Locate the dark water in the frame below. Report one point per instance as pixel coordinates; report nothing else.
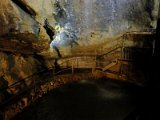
(86, 100)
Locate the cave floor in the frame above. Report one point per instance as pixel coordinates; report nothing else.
(86, 100)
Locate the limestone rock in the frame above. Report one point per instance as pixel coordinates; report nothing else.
(17, 67)
(104, 18)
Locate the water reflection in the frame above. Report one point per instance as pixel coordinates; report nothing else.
(86, 100)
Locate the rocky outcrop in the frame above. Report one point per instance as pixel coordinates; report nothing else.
(15, 67)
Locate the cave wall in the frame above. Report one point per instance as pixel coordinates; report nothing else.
(14, 19)
(107, 18)
(16, 67)
(94, 20)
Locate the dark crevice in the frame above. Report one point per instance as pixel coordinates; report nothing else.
(25, 7)
(50, 31)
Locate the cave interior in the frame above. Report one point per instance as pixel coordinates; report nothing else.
(79, 59)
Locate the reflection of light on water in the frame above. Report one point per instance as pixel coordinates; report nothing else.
(104, 92)
(109, 94)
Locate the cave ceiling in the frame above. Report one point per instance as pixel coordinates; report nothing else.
(75, 23)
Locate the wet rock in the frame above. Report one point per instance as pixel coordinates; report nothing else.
(103, 18)
(15, 68)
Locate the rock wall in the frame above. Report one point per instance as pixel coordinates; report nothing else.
(15, 67)
(107, 18)
(94, 20)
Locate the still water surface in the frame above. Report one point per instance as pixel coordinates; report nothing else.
(86, 100)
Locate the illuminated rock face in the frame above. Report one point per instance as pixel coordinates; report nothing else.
(111, 17)
(16, 67)
(93, 19)
(8, 19)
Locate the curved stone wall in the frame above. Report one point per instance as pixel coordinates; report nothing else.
(94, 20)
